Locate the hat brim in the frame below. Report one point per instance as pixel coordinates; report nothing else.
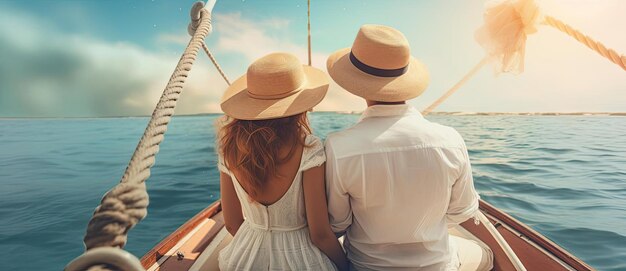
(238, 104)
(384, 89)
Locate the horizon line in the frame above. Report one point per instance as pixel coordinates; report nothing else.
(348, 112)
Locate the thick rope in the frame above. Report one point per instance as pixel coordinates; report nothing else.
(308, 15)
(126, 204)
(102, 267)
(608, 53)
(458, 85)
(217, 65)
(120, 209)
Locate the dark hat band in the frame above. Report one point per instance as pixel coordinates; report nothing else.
(376, 71)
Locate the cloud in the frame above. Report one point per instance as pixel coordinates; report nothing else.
(167, 38)
(45, 72)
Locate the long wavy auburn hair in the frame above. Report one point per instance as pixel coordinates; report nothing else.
(251, 147)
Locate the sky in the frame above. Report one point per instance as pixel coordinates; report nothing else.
(113, 58)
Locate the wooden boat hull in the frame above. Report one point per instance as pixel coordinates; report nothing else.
(196, 244)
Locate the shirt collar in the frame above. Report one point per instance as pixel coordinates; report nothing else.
(389, 110)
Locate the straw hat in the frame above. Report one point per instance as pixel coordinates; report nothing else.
(379, 66)
(275, 86)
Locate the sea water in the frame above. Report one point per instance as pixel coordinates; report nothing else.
(565, 176)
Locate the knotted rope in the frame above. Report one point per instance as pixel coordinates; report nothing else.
(120, 209)
(191, 29)
(126, 204)
(608, 53)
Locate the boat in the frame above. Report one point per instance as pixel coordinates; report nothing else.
(196, 244)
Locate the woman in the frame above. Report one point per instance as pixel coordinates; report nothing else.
(272, 171)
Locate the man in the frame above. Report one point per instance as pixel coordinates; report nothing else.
(396, 181)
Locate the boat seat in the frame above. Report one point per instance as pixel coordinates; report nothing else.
(208, 259)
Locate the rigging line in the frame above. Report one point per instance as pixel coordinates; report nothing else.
(608, 53)
(454, 88)
(217, 65)
(308, 14)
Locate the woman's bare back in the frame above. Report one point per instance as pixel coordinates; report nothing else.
(277, 186)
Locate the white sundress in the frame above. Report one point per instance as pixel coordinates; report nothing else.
(276, 237)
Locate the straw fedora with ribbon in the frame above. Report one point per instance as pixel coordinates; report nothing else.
(379, 66)
(275, 86)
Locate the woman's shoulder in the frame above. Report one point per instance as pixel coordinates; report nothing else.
(314, 154)
(312, 139)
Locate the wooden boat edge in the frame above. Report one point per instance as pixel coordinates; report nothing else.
(524, 231)
(157, 252)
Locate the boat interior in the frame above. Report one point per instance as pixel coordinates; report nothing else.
(196, 244)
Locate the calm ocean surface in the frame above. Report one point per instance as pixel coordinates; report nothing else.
(565, 176)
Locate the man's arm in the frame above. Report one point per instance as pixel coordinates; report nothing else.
(463, 199)
(339, 210)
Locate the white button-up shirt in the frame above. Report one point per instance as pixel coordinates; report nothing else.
(394, 182)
